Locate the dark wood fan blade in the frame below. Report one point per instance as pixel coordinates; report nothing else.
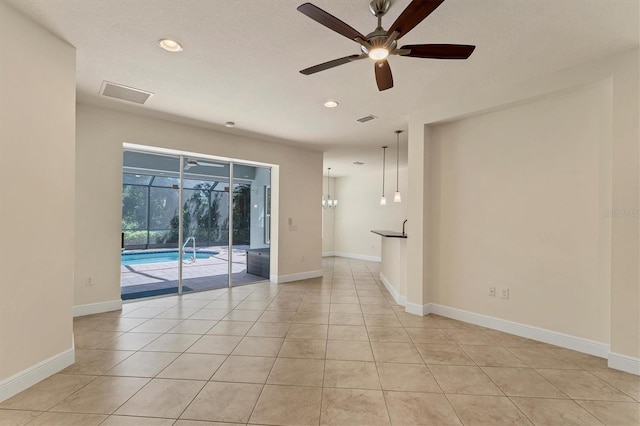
(331, 64)
(383, 75)
(329, 21)
(413, 15)
(439, 51)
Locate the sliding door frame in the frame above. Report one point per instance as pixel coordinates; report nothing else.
(230, 250)
(182, 155)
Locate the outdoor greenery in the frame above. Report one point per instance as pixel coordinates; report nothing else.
(150, 215)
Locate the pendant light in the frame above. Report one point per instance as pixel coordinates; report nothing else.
(328, 202)
(383, 200)
(396, 197)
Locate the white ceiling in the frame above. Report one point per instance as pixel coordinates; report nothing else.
(241, 60)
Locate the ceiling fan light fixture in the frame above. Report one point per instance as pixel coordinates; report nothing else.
(329, 202)
(379, 53)
(381, 43)
(331, 104)
(170, 45)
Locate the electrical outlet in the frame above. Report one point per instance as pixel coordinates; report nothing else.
(492, 291)
(504, 293)
(88, 281)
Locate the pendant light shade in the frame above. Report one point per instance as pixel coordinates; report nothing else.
(396, 196)
(383, 200)
(329, 202)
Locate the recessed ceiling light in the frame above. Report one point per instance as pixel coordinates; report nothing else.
(170, 45)
(230, 124)
(331, 104)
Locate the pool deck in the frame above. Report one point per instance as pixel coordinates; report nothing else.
(203, 274)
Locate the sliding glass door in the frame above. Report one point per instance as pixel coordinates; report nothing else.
(251, 224)
(150, 231)
(192, 223)
(205, 239)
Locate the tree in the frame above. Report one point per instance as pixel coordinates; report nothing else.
(242, 214)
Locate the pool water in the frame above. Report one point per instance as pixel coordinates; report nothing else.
(160, 256)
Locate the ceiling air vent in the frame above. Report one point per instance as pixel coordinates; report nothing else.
(125, 93)
(367, 118)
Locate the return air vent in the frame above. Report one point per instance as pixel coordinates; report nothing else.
(124, 93)
(367, 118)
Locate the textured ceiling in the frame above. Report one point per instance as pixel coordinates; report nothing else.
(241, 60)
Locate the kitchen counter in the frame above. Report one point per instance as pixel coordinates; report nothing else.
(390, 234)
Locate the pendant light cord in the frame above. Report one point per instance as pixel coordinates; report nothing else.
(384, 158)
(398, 160)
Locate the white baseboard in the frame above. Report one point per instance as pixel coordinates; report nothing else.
(18, 382)
(279, 279)
(400, 299)
(328, 253)
(358, 256)
(530, 332)
(97, 308)
(616, 361)
(415, 309)
(624, 363)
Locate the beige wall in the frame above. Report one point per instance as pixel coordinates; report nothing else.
(359, 211)
(595, 178)
(37, 108)
(100, 135)
(518, 206)
(625, 244)
(394, 266)
(418, 213)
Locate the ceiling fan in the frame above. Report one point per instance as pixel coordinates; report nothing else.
(381, 43)
(192, 162)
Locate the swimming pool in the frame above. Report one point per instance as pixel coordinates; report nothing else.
(161, 256)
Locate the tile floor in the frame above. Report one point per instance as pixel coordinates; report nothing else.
(335, 350)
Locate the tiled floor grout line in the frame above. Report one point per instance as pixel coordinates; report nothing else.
(150, 379)
(430, 372)
(454, 409)
(309, 299)
(375, 364)
(181, 353)
(264, 385)
(324, 364)
(218, 368)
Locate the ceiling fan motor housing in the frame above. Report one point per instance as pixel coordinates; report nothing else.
(376, 40)
(379, 7)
